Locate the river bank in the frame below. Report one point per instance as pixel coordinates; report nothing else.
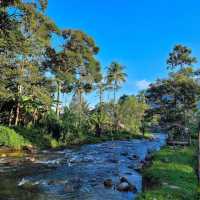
(20, 141)
(78, 173)
(172, 175)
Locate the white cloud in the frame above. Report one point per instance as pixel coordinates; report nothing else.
(142, 84)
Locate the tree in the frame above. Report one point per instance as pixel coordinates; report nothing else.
(131, 113)
(115, 77)
(87, 69)
(173, 99)
(180, 57)
(25, 35)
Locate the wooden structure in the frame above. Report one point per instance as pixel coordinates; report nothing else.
(178, 135)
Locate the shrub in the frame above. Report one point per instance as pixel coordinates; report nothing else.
(9, 138)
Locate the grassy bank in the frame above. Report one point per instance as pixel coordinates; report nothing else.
(18, 137)
(172, 175)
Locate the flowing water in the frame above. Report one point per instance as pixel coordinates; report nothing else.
(78, 173)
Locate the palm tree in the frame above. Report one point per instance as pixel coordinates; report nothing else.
(115, 77)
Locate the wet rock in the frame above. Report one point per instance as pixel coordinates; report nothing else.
(152, 138)
(124, 153)
(93, 180)
(30, 159)
(138, 167)
(72, 185)
(113, 161)
(125, 186)
(123, 179)
(76, 183)
(56, 182)
(30, 149)
(68, 188)
(108, 183)
(12, 162)
(134, 157)
(28, 185)
(131, 166)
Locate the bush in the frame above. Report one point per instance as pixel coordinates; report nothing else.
(52, 125)
(37, 136)
(9, 138)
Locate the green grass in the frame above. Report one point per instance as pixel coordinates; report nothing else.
(20, 136)
(10, 138)
(115, 135)
(172, 175)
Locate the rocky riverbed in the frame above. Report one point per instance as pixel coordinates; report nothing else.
(109, 170)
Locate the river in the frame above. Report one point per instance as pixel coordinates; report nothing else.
(77, 173)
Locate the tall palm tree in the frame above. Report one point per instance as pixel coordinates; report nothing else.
(115, 77)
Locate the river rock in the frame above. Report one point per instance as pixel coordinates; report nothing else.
(138, 167)
(76, 182)
(148, 158)
(30, 149)
(113, 160)
(56, 182)
(124, 153)
(30, 159)
(68, 187)
(108, 183)
(29, 185)
(125, 186)
(72, 185)
(134, 157)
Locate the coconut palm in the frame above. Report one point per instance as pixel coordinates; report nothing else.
(115, 77)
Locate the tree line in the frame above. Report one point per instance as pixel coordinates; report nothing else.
(34, 76)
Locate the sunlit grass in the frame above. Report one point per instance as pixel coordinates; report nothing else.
(174, 172)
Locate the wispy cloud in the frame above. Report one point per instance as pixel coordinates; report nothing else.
(142, 84)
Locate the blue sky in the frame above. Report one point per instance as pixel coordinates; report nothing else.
(137, 33)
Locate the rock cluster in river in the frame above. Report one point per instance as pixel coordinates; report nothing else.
(122, 186)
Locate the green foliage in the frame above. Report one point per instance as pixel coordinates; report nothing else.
(174, 100)
(131, 113)
(173, 174)
(9, 138)
(38, 137)
(180, 56)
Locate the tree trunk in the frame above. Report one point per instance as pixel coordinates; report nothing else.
(99, 128)
(17, 114)
(11, 117)
(21, 73)
(114, 106)
(18, 105)
(34, 116)
(80, 106)
(58, 100)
